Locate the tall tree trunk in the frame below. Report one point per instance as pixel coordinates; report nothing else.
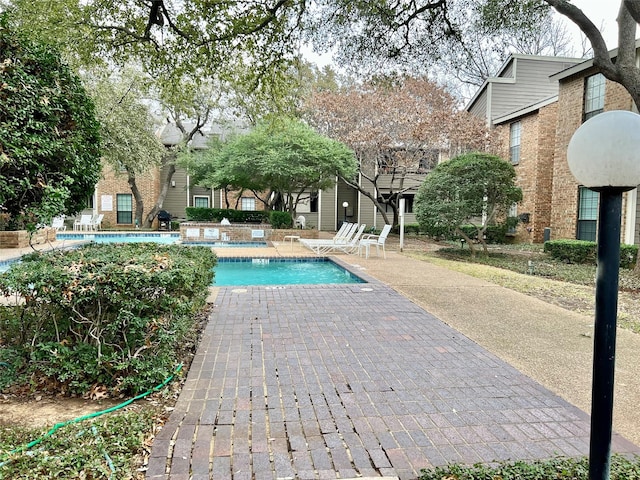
(131, 179)
(165, 181)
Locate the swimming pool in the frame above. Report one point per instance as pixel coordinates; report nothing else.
(162, 238)
(280, 271)
(121, 237)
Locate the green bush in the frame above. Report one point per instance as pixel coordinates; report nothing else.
(558, 468)
(110, 314)
(585, 252)
(280, 219)
(198, 214)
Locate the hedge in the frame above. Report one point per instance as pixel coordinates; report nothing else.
(108, 315)
(198, 214)
(582, 251)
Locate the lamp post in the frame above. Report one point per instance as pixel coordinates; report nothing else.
(604, 155)
(345, 205)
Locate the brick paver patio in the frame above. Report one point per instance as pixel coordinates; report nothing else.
(325, 382)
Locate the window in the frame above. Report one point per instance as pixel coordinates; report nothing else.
(124, 206)
(200, 201)
(587, 214)
(514, 142)
(593, 95)
(408, 202)
(308, 203)
(248, 203)
(512, 213)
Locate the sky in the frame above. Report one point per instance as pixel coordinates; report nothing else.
(603, 14)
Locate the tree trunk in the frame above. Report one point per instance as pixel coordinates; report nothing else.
(170, 165)
(467, 240)
(131, 179)
(369, 195)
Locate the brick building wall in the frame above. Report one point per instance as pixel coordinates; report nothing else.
(114, 182)
(564, 205)
(534, 172)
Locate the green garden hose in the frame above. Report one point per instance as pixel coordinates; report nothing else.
(4, 459)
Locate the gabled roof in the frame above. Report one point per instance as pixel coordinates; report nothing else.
(584, 65)
(499, 78)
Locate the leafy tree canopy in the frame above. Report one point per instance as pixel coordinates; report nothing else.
(49, 136)
(474, 188)
(285, 157)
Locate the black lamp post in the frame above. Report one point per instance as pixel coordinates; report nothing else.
(345, 205)
(604, 155)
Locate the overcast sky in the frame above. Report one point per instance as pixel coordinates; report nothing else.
(603, 14)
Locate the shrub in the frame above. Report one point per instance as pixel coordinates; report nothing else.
(198, 214)
(557, 468)
(585, 252)
(280, 219)
(110, 314)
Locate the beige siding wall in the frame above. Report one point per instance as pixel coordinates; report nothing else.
(328, 209)
(532, 85)
(479, 108)
(176, 199)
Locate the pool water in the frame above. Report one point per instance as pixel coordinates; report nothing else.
(164, 238)
(280, 271)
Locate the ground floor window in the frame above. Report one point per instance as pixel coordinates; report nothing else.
(248, 203)
(587, 214)
(124, 206)
(408, 202)
(200, 201)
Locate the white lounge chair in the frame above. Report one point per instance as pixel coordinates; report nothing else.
(349, 247)
(377, 240)
(343, 235)
(96, 221)
(57, 223)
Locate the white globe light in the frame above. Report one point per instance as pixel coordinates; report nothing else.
(605, 150)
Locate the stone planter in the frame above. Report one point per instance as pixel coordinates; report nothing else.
(20, 238)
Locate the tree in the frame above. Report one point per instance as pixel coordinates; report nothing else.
(622, 69)
(284, 159)
(129, 142)
(398, 127)
(475, 188)
(49, 135)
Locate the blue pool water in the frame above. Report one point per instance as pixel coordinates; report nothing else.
(164, 238)
(280, 271)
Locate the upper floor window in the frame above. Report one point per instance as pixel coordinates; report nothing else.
(594, 95)
(514, 142)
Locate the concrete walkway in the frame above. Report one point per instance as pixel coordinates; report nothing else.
(324, 382)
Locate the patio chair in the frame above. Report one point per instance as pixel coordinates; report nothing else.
(378, 240)
(300, 222)
(57, 223)
(349, 247)
(343, 235)
(83, 223)
(96, 221)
